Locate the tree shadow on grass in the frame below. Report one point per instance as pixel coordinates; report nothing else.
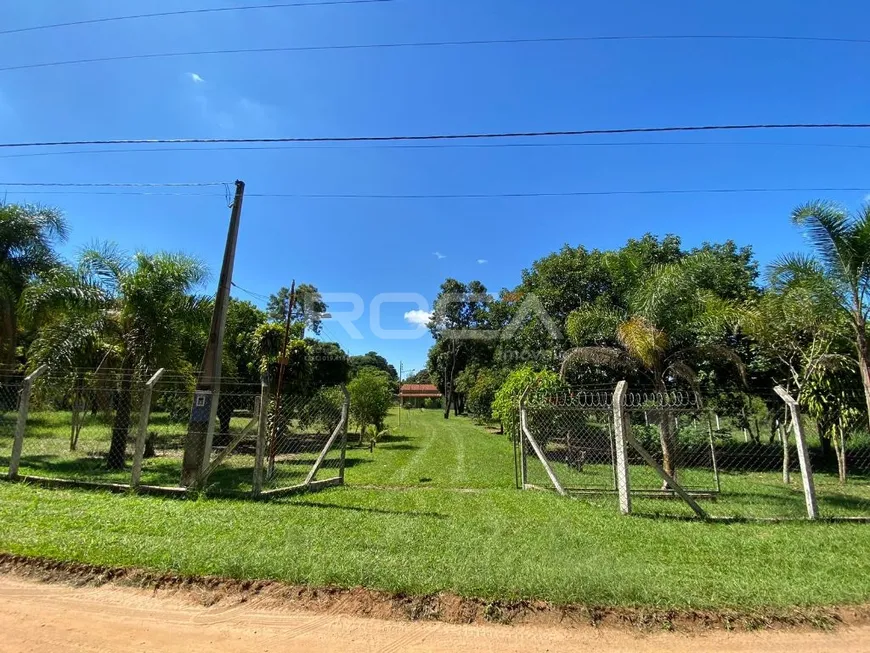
(377, 511)
(396, 447)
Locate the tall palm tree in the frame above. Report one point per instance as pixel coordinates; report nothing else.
(656, 334)
(28, 235)
(129, 311)
(842, 248)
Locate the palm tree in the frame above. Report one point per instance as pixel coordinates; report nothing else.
(842, 247)
(130, 312)
(28, 235)
(656, 334)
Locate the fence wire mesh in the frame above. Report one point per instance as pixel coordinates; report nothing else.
(10, 390)
(574, 433)
(302, 432)
(736, 455)
(839, 445)
(79, 426)
(83, 427)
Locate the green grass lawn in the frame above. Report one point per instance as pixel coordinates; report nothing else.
(488, 544)
(406, 523)
(427, 450)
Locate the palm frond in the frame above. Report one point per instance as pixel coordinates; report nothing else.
(593, 324)
(105, 264)
(643, 341)
(712, 353)
(611, 357)
(683, 371)
(828, 228)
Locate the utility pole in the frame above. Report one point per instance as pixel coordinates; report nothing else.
(200, 428)
(282, 364)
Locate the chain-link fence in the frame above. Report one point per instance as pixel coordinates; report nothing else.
(574, 434)
(722, 459)
(132, 429)
(79, 426)
(10, 392)
(305, 440)
(834, 428)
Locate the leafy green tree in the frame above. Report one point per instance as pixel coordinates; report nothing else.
(308, 309)
(28, 235)
(373, 359)
(669, 324)
(423, 377)
(460, 310)
(797, 323)
(506, 405)
(239, 364)
(482, 391)
(842, 247)
(133, 308)
(371, 396)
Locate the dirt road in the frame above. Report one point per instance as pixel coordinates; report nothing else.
(45, 617)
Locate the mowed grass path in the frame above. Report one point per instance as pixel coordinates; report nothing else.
(427, 450)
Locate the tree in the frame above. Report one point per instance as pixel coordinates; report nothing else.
(842, 247)
(134, 307)
(669, 324)
(423, 377)
(308, 309)
(373, 359)
(239, 364)
(28, 235)
(797, 323)
(506, 404)
(482, 391)
(460, 310)
(371, 396)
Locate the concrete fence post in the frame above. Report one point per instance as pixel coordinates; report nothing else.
(262, 428)
(142, 433)
(803, 452)
(620, 424)
(345, 418)
(23, 407)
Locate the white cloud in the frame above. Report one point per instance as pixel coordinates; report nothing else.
(867, 197)
(482, 261)
(196, 79)
(418, 317)
(439, 255)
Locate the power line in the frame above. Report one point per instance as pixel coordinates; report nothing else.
(184, 184)
(444, 137)
(431, 44)
(399, 146)
(206, 10)
(419, 196)
(250, 292)
(685, 191)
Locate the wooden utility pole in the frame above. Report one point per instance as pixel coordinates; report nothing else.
(282, 365)
(200, 428)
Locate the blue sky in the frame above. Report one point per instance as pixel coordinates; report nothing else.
(371, 246)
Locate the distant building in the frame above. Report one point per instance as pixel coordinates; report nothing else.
(417, 393)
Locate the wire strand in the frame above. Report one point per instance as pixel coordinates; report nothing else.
(429, 146)
(183, 12)
(417, 196)
(183, 184)
(429, 44)
(446, 137)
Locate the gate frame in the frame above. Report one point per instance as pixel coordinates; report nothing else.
(623, 474)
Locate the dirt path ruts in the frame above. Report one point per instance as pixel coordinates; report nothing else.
(43, 617)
